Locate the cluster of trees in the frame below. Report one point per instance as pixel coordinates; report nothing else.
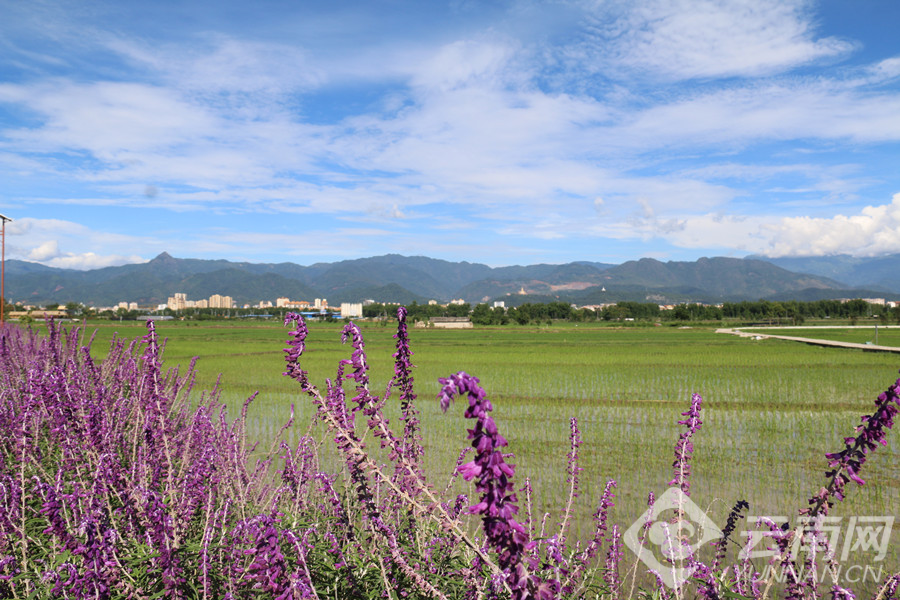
(790, 312)
(483, 314)
(416, 311)
(819, 309)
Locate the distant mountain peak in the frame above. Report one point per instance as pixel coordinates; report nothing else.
(163, 257)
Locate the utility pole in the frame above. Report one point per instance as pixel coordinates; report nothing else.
(4, 219)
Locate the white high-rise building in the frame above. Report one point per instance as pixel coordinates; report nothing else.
(177, 302)
(351, 309)
(217, 301)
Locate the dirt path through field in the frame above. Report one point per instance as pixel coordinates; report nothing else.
(757, 333)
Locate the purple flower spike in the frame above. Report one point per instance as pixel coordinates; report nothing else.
(411, 447)
(357, 362)
(684, 448)
(296, 346)
(493, 478)
(846, 464)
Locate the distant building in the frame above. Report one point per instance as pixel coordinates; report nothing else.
(878, 301)
(450, 322)
(36, 314)
(177, 302)
(288, 303)
(351, 309)
(217, 301)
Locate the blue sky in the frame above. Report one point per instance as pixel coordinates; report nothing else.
(493, 132)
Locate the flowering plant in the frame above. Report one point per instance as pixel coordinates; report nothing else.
(117, 480)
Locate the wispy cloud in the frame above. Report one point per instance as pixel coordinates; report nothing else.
(688, 39)
(692, 121)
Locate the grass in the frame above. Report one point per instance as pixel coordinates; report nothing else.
(771, 408)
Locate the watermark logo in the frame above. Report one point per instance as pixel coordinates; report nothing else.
(823, 535)
(668, 534)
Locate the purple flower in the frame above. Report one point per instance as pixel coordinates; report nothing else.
(470, 470)
(684, 448)
(839, 593)
(493, 478)
(295, 348)
(411, 445)
(846, 464)
(613, 558)
(358, 362)
(889, 589)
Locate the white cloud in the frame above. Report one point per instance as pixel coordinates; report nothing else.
(475, 121)
(740, 234)
(473, 125)
(884, 70)
(64, 244)
(220, 63)
(737, 117)
(685, 39)
(46, 251)
(138, 133)
(40, 227)
(118, 124)
(89, 260)
(464, 63)
(875, 230)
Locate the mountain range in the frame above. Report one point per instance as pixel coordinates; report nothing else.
(406, 279)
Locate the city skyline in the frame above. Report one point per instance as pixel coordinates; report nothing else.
(501, 133)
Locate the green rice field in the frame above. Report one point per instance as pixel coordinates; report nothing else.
(771, 408)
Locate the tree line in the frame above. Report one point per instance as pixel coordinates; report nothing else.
(792, 312)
